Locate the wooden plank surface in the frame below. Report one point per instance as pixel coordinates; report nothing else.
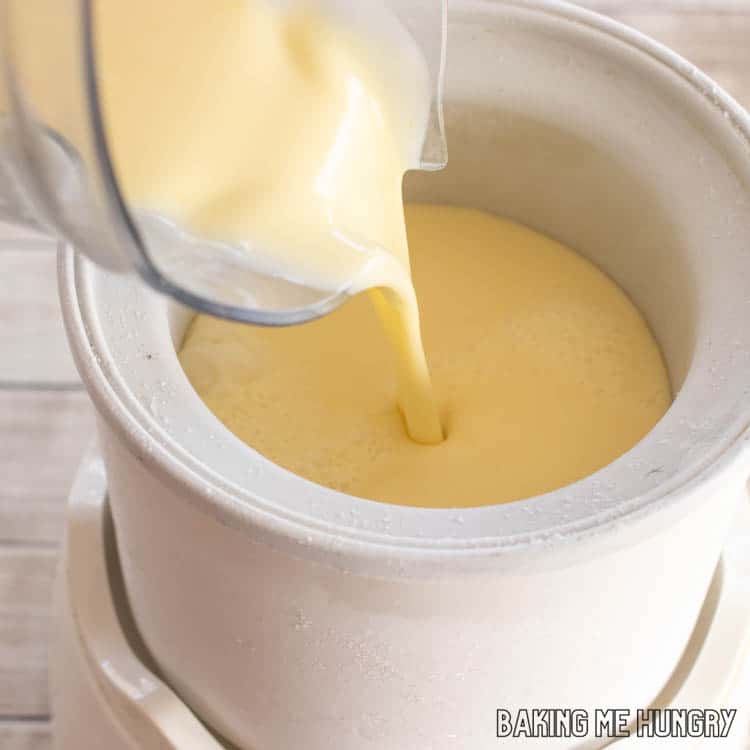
(34, 349)
(26, 577)
(45, 422)
(44, 429)
(44, 435)
(26, 735)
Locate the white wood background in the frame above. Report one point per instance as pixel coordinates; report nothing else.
(45, 417)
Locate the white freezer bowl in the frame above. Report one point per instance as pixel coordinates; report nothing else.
(106, 694)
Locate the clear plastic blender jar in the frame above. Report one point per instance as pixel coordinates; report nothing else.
(58, 176)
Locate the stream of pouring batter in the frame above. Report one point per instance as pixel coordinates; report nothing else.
(284, 126)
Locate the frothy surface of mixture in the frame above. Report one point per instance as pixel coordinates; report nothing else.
(544, 372)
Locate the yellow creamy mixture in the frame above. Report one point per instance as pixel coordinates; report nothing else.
(280, 124)
(283, 125)
(544, 372)
(274, 124)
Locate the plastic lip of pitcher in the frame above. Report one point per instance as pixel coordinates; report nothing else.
(60, 176)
